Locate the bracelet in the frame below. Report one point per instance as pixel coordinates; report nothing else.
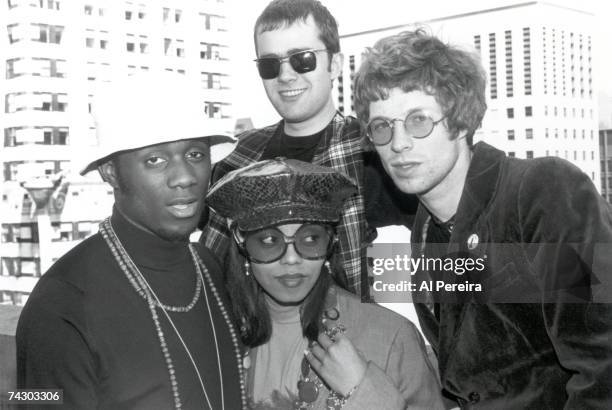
(347, 396)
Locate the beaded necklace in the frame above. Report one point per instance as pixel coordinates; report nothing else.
(142, 287)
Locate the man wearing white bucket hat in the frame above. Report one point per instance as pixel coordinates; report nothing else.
(135, 316)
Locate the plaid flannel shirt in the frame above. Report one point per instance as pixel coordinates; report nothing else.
(341, 148)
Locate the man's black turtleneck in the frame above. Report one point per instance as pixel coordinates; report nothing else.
(85, 329)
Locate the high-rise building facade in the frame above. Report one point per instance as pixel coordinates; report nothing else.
(605, 150)
(541, 93)
(53, 56)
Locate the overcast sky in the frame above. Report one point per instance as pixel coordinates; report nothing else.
(358, 15)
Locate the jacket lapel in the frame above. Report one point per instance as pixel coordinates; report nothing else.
(478, 191)
(480, 187)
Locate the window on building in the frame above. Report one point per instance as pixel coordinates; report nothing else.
(529, 154)
(15, 136)
(529, 133)
(177, 15)
(528, 111)
(88, 9)
(492, 66)
(43, 33)
(9, 266)
(527, 59)
(510, 112)
(511, 154)
(510, 134)
(144, 46)
(509, 76)
(37, 101)
(85, 229)
(48, 33)
(29, 267)
(62, 231)
(213, 109)
(546, 133)
(18, 3)
(89, 42)
(50, 4)
(43, 67)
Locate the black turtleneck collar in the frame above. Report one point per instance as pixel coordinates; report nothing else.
(147, 249)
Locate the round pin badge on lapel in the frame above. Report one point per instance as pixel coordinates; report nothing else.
(472, 241)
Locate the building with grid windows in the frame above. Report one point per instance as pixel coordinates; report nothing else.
(605, 151)
(53, 55)
(541, 92)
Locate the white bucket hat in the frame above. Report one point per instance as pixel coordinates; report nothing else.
(152, 108)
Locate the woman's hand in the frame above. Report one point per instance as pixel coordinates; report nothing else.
(337, 362)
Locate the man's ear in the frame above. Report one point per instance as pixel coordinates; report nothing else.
(108, 172)
(335, 65)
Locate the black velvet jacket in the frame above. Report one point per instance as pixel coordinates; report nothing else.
(547, 237)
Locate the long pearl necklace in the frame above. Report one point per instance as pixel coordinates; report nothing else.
(142, 287)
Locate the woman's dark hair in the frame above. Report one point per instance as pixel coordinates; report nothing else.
(248, 302)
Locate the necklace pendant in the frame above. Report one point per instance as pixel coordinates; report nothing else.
(307, 391)
(246, 361)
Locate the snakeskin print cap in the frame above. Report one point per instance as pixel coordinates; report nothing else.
(280, 191)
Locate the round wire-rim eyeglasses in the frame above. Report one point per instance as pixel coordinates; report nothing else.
(380, 130)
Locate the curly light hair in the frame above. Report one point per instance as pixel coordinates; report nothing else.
(417, 61)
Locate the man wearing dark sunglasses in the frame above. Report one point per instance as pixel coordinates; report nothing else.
(298, 58)
(534, 334)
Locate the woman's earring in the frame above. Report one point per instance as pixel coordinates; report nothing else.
(327, 266)
(247, 267)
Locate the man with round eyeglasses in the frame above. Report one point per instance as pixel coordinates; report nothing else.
(417, 125)
(298, 58)
(536, 331)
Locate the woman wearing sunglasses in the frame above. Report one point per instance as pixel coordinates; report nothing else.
(310, 344)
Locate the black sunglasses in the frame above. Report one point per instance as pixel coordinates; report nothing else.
(301, 62)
